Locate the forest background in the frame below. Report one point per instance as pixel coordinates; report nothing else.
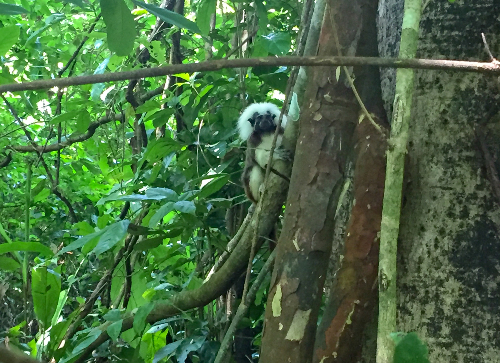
(123, 229)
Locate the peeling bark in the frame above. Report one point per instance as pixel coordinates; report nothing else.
(353, 299)
(327, 122)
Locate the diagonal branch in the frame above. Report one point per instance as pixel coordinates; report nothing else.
(70, 140)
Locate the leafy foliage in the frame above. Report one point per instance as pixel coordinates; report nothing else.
(409, 348)
(131, 181)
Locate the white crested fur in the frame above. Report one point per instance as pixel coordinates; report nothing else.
(255, 181)
(263, 150)
(245, 129)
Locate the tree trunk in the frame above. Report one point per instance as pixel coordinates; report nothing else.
(449, 245)
(328, 117)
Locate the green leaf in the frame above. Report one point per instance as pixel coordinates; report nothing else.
(157, 150)
(80, 242)
(185, 207)
(26, 246)
(8, 264)
(9, 35)
(45, 288)
(140, 317)
(120, 26)
(148, 243)
(160, 213)
(111, 236)
(203, 15)
(42, 195)
(162, 193)
(277, 43)
(191, 344)
(49, 21)
(169, 17)
(83, 121)
(166, 351)
(113, 315)
(409, 349)
(89, 339)
(64, 117)
(8, 9)
(4, 234)
(63, 297)
(213, 186)
(115, 329)
(38, 188)
(262, 14)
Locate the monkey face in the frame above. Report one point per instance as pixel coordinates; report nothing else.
(263, 123)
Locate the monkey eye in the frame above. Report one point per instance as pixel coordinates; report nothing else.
(252, 121)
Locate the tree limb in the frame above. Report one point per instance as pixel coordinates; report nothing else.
(214, 65)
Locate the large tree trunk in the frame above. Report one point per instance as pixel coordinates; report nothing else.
(449, 245)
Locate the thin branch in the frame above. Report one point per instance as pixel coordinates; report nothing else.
(44, 164)
(243, 309)
(75, 53)
(234, 50)
(71, 140)
(487, 48)
(214, 65)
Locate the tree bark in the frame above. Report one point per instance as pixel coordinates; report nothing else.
(328, 117)
(449, 248)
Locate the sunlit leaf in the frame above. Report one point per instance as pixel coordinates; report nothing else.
(277, 43)
(9, 35)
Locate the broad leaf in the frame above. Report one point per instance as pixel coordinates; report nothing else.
(26, 246)
(203, 15)
(8, 9)
(213, 186)
(115, 329)
(9, 35)
(45, 288)
(120, 26)
(160, 213)
(111, 236)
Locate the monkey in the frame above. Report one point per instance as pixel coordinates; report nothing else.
(257, 125)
